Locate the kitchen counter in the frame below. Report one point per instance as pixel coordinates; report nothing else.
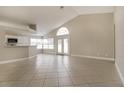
(16, 52)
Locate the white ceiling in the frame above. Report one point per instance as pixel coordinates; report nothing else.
(93, 9)
(48, 18)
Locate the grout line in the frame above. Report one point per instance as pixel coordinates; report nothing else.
(59, 85)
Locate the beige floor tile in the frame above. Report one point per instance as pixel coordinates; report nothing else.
(63, 74)
(8, 78)
(14, 84)
(65, 81)
(19, 84)
(42, 71)
(51, 83)
(5, 84)
(26, 77)
(93, 79)
(66, 86)
(36, 83)
(79, 81)
(51, 75)
(107, 84)
(53, 71)
(39, 76)
(56, 70)
(82, 85)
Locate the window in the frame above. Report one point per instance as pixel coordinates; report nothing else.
(33, 42)
(45, 43)
(48, 43)
(62, 31)
(51, 43)
(37, 42)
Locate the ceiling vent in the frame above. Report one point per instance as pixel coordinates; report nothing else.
(18, 28)
(33, 27)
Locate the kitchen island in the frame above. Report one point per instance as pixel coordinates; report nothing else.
(11, 53)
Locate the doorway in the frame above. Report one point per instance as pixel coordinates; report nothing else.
(63, 41)
(63, 46)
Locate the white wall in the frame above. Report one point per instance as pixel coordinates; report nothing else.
(2, 38)
(90, 35)
(119, 39)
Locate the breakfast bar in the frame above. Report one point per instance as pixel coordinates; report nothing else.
(17, 52)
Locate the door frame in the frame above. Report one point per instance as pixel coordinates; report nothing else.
(63, 37)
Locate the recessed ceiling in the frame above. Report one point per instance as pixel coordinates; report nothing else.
(47, 18)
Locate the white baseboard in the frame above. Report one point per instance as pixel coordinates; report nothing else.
(49, 52)
(15, 60)
(119, 72)
(92, 57)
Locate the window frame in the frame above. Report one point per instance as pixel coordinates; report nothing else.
(62, 31)
(36, 42)
(47, 43)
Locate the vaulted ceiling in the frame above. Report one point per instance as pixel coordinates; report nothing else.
(48, 18)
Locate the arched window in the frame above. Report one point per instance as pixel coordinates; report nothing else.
(62, 31)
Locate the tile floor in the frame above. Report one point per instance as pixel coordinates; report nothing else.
(59, 71)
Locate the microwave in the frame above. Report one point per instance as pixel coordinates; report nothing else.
(12, 40)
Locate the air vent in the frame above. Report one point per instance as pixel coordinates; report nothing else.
(33, 26)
